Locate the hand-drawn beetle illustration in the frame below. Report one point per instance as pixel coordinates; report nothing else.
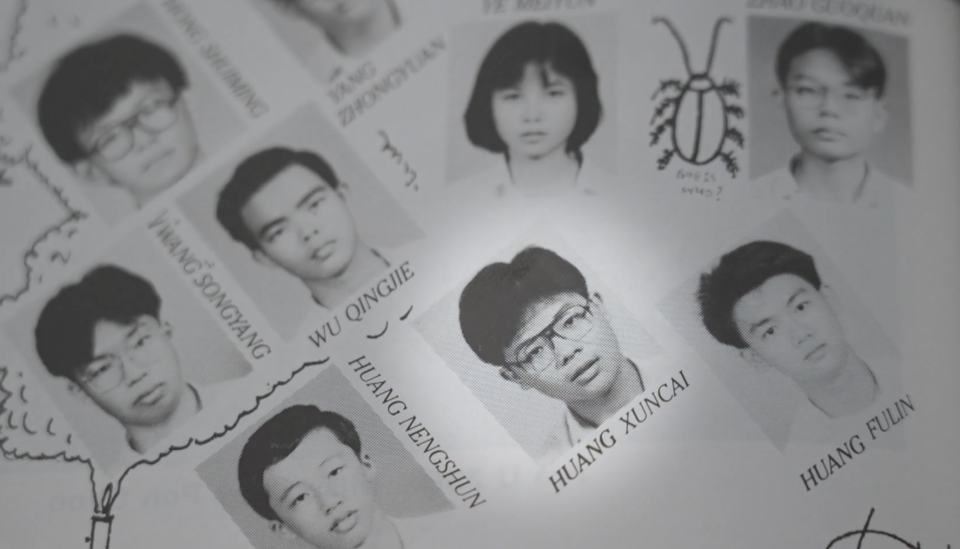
(697, 112)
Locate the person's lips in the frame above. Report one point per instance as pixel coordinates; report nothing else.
(345, 523)
(157, 160)
(151, 396)
(817, 352)
(325, 250)
(585, 373)
(828, 134)
(532, 136)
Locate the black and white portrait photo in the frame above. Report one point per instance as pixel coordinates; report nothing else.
(528, 105)
(543, 345)
(787, 336)
(327, 36)
(127, 353)
(129, 110)
(322, 471)
(830, 112)
(300, 220)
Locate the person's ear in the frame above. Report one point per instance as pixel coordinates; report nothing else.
(166, 328)
(597, 297)
(831, 297)
(510, 374)
(369, 468)
(880, 116)
(281, 530)
(343, 189)
(752, 358)
(262, 258)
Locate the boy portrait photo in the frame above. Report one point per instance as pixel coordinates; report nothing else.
(326, 35)
(543, 345)
(300, 220)
(127, 353)
(830, 112)
(129, 111)
(775, 321)
(529, 100)
(322, 471)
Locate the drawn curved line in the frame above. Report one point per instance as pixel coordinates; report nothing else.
(15, 455)
(70, 438)
(676, 35)
(406, 314)
(10, 424)
(866, 530)
(15, 35)
(73, 215)
(713, 42)
(23, 423)
(108, 505)
(22, 397)
(385, 326)
(50, 428)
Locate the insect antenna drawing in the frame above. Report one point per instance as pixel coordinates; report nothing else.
(697, 112)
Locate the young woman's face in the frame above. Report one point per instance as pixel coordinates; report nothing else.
(536, 116)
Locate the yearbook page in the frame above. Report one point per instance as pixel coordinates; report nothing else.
(383, 274)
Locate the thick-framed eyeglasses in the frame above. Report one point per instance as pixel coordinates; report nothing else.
(812, 96)
(153, 117)
(107, 372)
(539, 353)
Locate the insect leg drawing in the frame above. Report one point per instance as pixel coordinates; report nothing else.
(697, 112)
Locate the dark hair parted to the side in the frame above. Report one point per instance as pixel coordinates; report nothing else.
(545, 45)
(740, 272)
(87, 82)
(276, 439)
(64, 331)
(255, 172)
(493, 302)
(860, 59)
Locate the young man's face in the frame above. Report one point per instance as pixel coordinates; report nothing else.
(329, 13)
(323, 492)
(829, 115)
(145, 143)
(535, 117)
(302, 225)
(583, 369)
(150, 386)
(789, 325)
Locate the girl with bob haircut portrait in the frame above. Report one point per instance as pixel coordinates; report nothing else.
(536, 102)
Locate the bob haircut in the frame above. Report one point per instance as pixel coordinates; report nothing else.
(740, 272)
(493, 302)
(860, 59)
(545, 45)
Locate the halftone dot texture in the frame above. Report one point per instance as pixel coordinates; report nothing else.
(403, 488)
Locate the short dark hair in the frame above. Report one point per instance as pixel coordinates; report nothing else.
(255, 172)
(276, 439)
(740, 272)
(64, 331)
(860, 59)
(544, 44)
(85, 84)
(493, 302)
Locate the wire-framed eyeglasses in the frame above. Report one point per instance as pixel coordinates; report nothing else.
(153, 117)
(106, 372)
(539, 353)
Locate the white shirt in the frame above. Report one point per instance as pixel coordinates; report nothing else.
(569, 431)
(813, 427)
(876, 192)
(497, 183)
(413, 529)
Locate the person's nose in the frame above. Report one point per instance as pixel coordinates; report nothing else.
(565, 350)
(141, 137)
(307, 228)
(829, 103)
(329, 498)
(532, 108)
(134, 370)
(800, 332)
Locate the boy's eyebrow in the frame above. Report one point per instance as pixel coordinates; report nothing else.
(306, 198)
(795, 294)
(753, 327)
(133, 329)
(556, 317)
(266, 228)
(283, 496)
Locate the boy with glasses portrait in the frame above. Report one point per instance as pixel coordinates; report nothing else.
(104, 334)
(536, 320)
(114, 110)
(832, 84)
